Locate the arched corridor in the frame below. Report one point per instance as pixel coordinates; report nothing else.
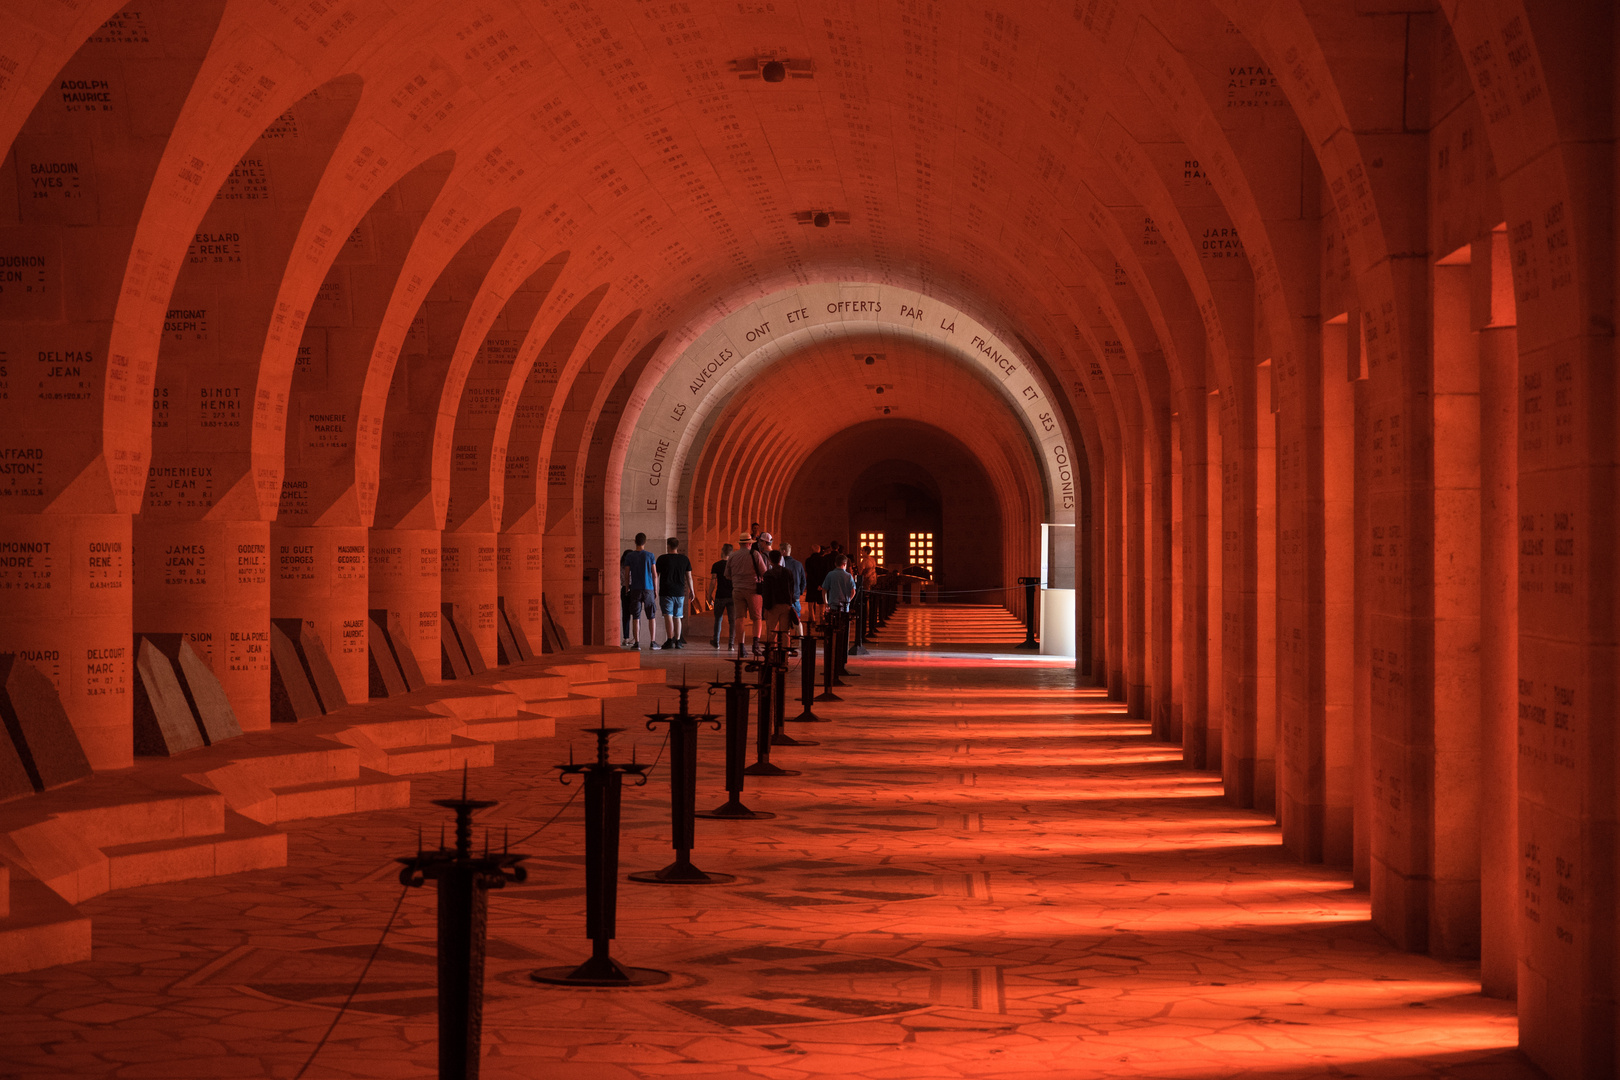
(345, 349)
(984, 870)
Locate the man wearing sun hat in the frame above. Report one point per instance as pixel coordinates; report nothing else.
(746, 568)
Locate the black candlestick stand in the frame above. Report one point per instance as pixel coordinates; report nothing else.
(857, 647)
(1029, 584)
(829, 670)
(842, 672)
(604, 782)
(737, 691)
(766, 666)
(683, 729)
(807, 679)
(779, 653)
(463, 880)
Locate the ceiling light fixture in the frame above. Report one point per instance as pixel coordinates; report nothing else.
(821, 218)
(773, 68)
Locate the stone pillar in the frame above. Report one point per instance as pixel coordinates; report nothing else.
(1214, 591)
(468, 579)
(404, 580)
(1494, 314)
(319, 575)
(1361, 673)
(1136, 583)
(1195, 572)
(1499, 661)
(1453, 905)
(1114, 574)
(563, 582)
(518, 574)
(1175, 701)
(1263, 632)
(1338, 586)
(210, 580)
(67, 586)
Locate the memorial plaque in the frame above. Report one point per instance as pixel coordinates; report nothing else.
(56, 180)
(30, 285)
(248, 181)
(38, 725)
(164, 722)
(386, 680)
(292, 695)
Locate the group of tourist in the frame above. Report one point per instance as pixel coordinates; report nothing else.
(754, 586)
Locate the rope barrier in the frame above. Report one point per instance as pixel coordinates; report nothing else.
(393, 915)
(356, 988)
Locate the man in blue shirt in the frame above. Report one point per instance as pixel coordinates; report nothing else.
(638, 583)
(838, 585)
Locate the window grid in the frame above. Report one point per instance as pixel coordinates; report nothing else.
(873, 540)
(921, 549)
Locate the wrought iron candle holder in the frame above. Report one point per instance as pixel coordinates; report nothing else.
(683, 732)
(604, 783)
(778, 655)
(829, 670)
(765, 664)
(463, 881)
(736, 691)
(807, 679)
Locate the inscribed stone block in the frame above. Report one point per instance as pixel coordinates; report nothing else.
(292, 695)
(164, 722)
(208, 698)
(385, 677)
(39, 727)
(400, 642)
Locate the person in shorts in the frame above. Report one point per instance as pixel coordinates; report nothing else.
(638, 581)
(746, 568)
(674, 586)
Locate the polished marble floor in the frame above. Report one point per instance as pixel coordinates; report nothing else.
(981, 872)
